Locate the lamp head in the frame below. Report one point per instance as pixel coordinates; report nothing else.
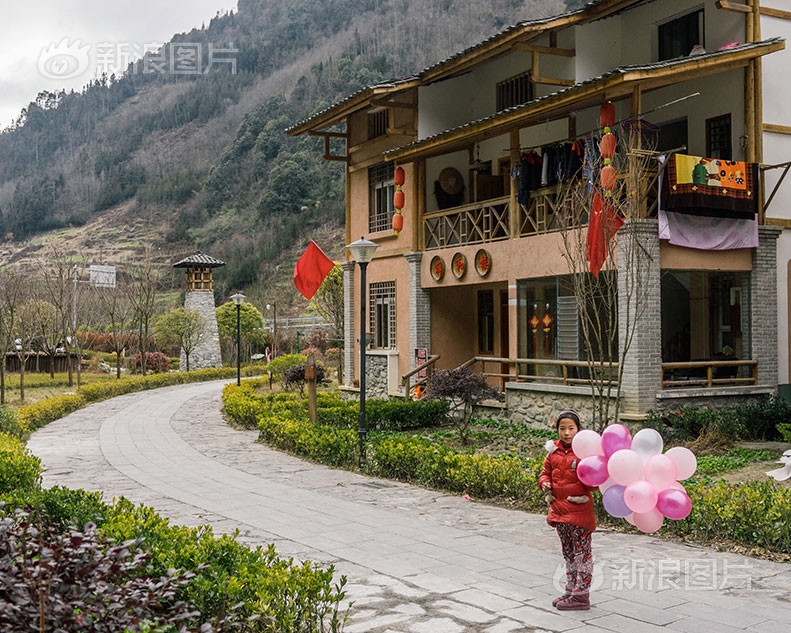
(362, 250)
(238, 298)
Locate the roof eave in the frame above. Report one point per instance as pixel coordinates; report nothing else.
(617, 85)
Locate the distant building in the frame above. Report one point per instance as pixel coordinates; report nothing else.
(199, 295)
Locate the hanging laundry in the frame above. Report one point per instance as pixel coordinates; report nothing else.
(710, 187)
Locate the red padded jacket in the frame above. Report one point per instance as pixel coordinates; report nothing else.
(560, 470)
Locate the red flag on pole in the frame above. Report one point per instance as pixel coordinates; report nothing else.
(311, 269)
(603, 224)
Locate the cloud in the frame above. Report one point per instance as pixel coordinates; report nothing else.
(28, 28)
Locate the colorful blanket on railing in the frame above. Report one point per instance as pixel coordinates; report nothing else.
(710, 187)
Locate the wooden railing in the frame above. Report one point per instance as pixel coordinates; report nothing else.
(546, 370)
(486, 221)
(708, 373)
(715, 373)
(406, 379)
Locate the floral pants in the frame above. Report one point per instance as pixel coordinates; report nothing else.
(575, 542)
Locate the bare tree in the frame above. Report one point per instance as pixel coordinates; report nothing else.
(45, 328)
(10, 297)
(116, 311)
(612, 301)
(142, 293)
(181, 329)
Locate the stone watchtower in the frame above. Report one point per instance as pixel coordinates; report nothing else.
(200, 296)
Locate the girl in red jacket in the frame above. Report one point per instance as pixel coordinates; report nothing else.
(570, 512)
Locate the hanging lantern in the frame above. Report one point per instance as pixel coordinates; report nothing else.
(607, 145)
(608, 179)
(607, 115)
(398, 222)
(399, 177)
(399, 199)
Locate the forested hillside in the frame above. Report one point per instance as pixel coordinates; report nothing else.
(187, 161)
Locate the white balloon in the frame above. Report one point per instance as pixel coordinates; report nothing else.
(647, 442)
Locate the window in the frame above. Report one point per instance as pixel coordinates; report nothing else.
(377, 123)
(679, 36)
(486, 321)
(383, 314)
(382, 190)
(703, 313)
(718, 137)
(514, 91)
(672, 135)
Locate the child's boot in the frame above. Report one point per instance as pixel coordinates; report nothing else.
(575, 602)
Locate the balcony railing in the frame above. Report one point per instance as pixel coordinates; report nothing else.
(490, 220)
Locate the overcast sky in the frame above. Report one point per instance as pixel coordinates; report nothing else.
(110, 28)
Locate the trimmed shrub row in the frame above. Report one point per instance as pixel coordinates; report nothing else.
(754, 515)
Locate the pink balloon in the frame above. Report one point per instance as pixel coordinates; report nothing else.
(649, 521)
(615, 438)
(586, 443)
(640, 496)
(625, 466)
(674, 504)
(630, 518)
(685, 461)
(660, 470)
(592, 470)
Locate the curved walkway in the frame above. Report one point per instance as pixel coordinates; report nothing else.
(417, 561)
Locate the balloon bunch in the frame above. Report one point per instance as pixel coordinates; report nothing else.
(637, 481)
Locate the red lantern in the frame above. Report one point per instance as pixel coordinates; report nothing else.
(398, 199)
(607, 145)
(398, 222)
(399, 177)
(608, 177)
(607, 114)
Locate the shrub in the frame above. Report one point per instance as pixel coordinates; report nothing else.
(19, 469)
(294, 377)
(279, 365)
(690, 423)
(9, 422)
(464, 385)
(785, 431)
(37, 414)
(761, 417)
(79, 581)
(156, 362)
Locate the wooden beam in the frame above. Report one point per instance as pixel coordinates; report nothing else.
(777, 129)
(391, 103)
(553, 81)
(547, 50)
(776, 13)
(327, 136)
(733, 6)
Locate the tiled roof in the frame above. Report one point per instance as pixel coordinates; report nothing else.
(199, 259)
(622, 70)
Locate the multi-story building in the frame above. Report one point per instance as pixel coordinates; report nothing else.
(500, 144)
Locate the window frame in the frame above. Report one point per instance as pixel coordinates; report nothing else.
(680, 43)
(381, 188)
(382, 314)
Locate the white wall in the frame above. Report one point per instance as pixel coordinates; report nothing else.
(777, 149)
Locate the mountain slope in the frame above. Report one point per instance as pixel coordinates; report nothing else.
(200, 161)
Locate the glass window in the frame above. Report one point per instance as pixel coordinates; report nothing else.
(382, 189)
(704, 315)
(383, 314)
(678, 37)
(486, 321)
(718, 137)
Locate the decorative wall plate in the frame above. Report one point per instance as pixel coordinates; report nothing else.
(458, 265)
(437, 268)
(483, 262)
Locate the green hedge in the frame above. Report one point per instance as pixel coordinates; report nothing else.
(19, 469)
(753, 515)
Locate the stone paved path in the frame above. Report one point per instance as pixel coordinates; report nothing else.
(417, 561)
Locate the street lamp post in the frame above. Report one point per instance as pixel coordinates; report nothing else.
(273, 306)
(238, 299)
(362, 252)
